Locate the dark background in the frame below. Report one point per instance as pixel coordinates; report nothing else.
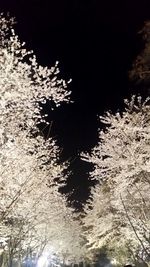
(95, 42)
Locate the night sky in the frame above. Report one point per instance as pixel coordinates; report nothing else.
(95, 42)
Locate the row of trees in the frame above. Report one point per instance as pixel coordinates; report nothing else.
(117, 215)
(35, 218)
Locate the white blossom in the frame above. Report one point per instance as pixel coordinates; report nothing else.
(119, 206)
(33, 214)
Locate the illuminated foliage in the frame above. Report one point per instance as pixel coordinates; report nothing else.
(34, 216)
(119, 211)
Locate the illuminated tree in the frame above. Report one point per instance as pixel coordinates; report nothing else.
(119, 211)
(34, 216)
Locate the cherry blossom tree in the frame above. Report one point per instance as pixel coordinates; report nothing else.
(34, 216)
(118, 211)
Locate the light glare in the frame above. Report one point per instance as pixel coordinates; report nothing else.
(42, 261)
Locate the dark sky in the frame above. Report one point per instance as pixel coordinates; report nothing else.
(95, 42)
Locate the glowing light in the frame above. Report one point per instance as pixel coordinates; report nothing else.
(114, 261)
(43, 261)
